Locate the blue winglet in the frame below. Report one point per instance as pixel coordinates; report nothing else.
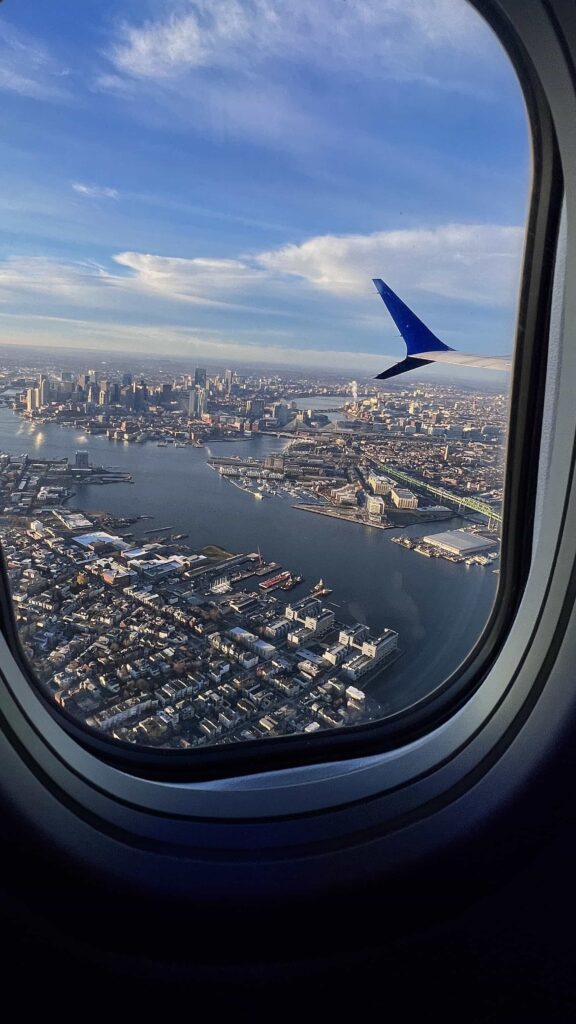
(417, 336)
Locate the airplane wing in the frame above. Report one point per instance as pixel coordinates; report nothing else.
(422, 346)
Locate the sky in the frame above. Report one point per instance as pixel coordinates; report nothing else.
(223, 178)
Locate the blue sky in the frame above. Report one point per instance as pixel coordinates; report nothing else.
(224, 177)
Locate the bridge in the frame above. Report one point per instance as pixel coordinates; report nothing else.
(446, 497)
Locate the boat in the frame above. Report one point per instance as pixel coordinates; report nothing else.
(162, 444)
(275, 581)
(294, 581)
(320, 589)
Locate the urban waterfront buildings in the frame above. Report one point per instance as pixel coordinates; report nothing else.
(152, 642)
(139, 643)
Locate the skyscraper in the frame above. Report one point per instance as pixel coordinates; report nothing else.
(255, 408)
(31, 399)
(200, 377)
(43, 389)
(197, 403)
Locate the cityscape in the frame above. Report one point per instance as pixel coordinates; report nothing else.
(152, 635)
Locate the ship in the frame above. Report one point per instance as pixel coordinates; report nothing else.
(320, 589)
(275, 581)
(294, 581)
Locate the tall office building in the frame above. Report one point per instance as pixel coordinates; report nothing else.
(229, 380)
(197, 403)
(200, 377)
(43, 389)
(280, 412)
(255, 408)
(81, 460)
(31, 399)
(140, 396)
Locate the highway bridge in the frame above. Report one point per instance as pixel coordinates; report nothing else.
(446, 497)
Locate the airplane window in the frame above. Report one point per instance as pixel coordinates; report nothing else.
(258, 289)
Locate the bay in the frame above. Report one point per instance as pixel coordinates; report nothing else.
(438, 608)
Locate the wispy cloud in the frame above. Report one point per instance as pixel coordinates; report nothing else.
(242, 68)
(198, 280)
(464, 262)
(28, 68)
(159, 281)
(399, 38)
(95, 191)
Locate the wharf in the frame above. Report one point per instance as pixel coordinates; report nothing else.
(320, 511)
(265, 569)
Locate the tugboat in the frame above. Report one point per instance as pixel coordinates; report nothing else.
(320, 590)
(294, 581)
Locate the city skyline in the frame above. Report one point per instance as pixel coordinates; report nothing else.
(216, 584)
(224, 182)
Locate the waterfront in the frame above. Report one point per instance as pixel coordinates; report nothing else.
(438, 608)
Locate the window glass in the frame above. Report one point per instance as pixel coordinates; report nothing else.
(222, 222)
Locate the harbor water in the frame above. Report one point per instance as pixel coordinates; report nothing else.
(438, 608)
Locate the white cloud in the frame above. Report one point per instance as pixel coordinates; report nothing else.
(95, 191)
(198, 280)
(52, 281)
(27, 67)
(158, 279)
(288, 305)
(478, 263)
(248, 69)
(400, 38)
(472, 262)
